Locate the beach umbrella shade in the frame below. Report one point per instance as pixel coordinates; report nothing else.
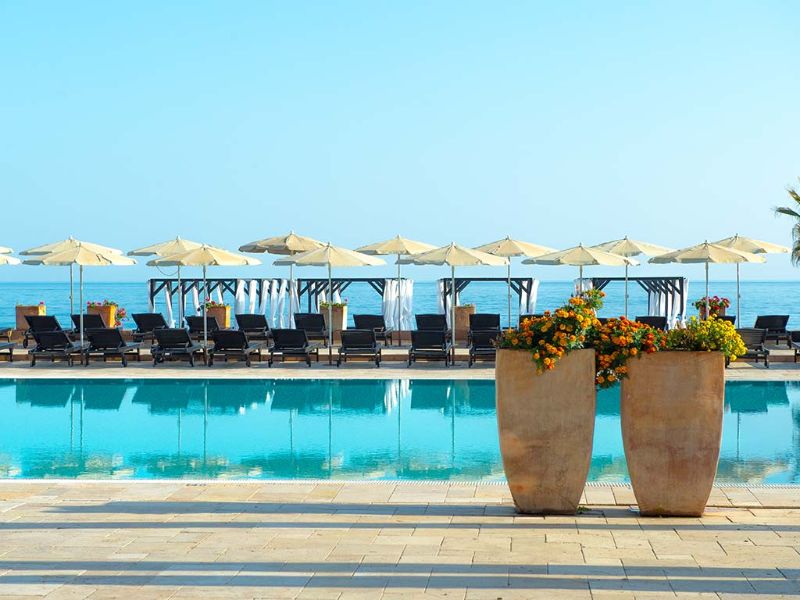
(510, 248)
(5, 259)
(330, 256)
(204, 256)
(399, 246)
(4, 250)
(454, 255)
(707, 253)
(745, 244)
(68, 244)
(284, 245)
(169, 248)
(90, 255)
(630, 248)
(581, 256)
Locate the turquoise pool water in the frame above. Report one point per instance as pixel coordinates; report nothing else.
(330, 429)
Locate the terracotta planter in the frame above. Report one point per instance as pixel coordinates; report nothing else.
(546, 426)
(22, 311)
(222, 314)
(107, 313)
(672, 429)
(462, 321)
(339, 315)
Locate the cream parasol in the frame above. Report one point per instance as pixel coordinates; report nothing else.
(508, 248)
(4, 250)
(204, 256)
(707, 253)
(400, 247)
(581, 256)
(744, 244)
(67, 244)
(82, 255)
(284, 245)
(629, 248)
(330, 256)
(454, 255)
(5, 259)
(169, 248)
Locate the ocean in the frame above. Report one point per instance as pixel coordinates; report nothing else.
(758, 297)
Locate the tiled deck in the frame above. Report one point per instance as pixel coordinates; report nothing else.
(388, 541)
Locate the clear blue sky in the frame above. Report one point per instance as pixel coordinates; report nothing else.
(128, 123)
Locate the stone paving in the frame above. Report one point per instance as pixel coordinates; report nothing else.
(389, 541)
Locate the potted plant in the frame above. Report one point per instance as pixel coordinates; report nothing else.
(112, 313)
(545, 396)
(671, 407)
(338, 312)
(716, 306)
(23, 310)
(220, 311)
(463, 311)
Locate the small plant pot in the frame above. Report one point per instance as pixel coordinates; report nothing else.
(671, 407)
(462, 321)
(546, 427)
(222, 314)
(339, 317)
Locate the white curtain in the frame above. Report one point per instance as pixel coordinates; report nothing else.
(294, 302)
(337, 298)
(389, 303)
(219, 294)
(151, 302)
(280, 291)
(406, 304)
(196, 300)
(168, 304)
(275, 306)
(241, 297)
(253, 293)
(583, 285)
(262, 306)
(527, 302)
(679, 305)
(669, 305)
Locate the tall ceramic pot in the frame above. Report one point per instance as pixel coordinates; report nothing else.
(546, 427)
(672, 406)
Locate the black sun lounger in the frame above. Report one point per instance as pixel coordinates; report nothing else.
(175, 344)
(775, 326)
(146, 323)
(233, 343)
(8, 347)
(359, 343)
(314, 326)
(39, 323)
(195, 325)
(377, 324)
(755, 341)
(108, 342)
(254, 326)
(482, 345)
(433, 322)
(482, 322)
(429, 344)
(89, 322)
(56, 345)
(292, 342)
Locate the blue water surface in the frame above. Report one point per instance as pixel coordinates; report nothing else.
(331, 429)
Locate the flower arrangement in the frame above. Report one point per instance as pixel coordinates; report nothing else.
(617, 341)
(709, 335)
(715, 304)
(555, 334)
(214, 304)
(325, 305)
(121, 313)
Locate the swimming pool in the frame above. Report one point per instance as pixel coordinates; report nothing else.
(330, 429)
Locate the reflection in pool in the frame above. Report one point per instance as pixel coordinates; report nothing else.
(326, 429)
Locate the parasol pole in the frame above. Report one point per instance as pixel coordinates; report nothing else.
(80, 270)
(399, 310)
(205, 318)
(290, 311)
(71, 292)
(330, 314)
(180, 299)
(453, 308)
(509, 291)
(738, 298)
(626, 290)
(708, 313)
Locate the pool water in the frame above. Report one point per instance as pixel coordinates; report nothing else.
(331, 429)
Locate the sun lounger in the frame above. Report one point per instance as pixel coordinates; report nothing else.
(146, 323)
(314, 326)
(482, 321)
(359, 343)
(653, 321)
(254, 326)
(195, 325)
(40, 323)
(89, 322)
(775, 326)
(482, 345)
(8, 347)
(755, 341)
(377, 324)
(429, 344)
(292, 342)
(433, 322)
(234, 343)
(56, 345)
(108, 342)
(175, 344)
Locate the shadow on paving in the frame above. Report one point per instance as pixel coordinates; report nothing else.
(411, 575)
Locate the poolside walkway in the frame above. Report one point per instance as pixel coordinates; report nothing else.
(398, 541)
